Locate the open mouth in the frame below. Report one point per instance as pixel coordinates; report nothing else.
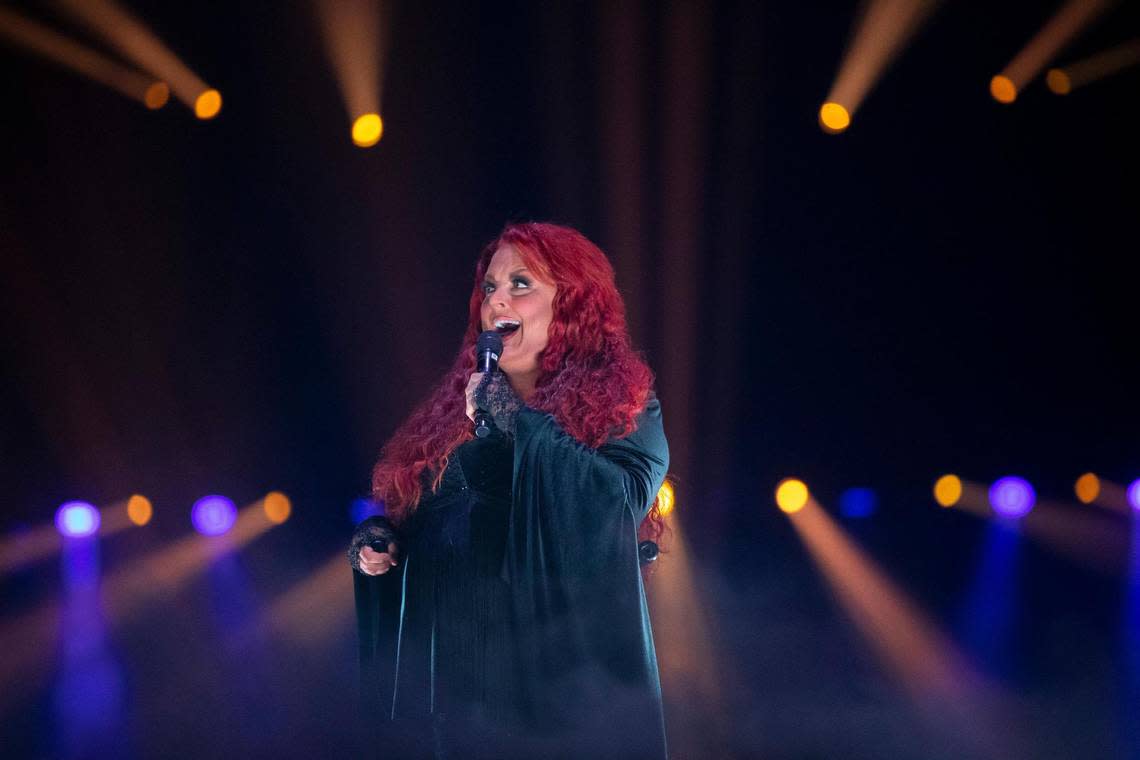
(506, 326)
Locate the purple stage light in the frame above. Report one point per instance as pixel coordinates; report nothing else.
(213, 515)
(1134, 494)
(76, 519)
(1012, 497)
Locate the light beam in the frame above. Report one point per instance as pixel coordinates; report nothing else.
(935, 674)
(1066, 24)
(691, 671)
(46, 43)
(354, 37)
(1064, 80)
(30, 638)
(141, 46)
(881, 33)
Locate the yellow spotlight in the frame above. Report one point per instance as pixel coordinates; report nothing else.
(948, 490)
(791, 495)
(355, 35)
(157, 95)
(367, 130)
(1003, 89)
(834, 118)
(666, 499)
(1087, 488)
(139, 509)
(277, 507)
(207, 104)
(1058, 82)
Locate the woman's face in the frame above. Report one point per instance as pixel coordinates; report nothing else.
(520, 306)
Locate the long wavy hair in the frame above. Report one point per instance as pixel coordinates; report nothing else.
(590, 379)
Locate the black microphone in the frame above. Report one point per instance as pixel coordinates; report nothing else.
(487, 350)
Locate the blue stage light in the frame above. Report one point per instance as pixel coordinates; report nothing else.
(362, 509)
(858, 502)
(76, 519)
(213, 515)
(1012, 496)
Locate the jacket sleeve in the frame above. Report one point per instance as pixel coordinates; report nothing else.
(377, 617)
(584, 639)
(574, 504)
(623, 471)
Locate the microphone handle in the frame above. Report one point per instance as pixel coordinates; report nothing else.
(485, 361)
(482, 423)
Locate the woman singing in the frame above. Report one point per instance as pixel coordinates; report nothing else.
(500, 600)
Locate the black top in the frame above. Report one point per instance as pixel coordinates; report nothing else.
(516, 622)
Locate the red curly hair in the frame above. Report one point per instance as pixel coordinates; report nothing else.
(590, 378)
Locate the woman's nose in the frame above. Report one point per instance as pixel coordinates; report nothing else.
(500, 299)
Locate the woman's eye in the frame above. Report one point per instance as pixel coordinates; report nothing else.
(518, 283)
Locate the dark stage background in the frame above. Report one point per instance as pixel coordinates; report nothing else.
(253, 304)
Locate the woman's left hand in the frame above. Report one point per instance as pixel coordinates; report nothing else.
(472, 384)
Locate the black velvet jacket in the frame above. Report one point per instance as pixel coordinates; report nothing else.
(516, 622)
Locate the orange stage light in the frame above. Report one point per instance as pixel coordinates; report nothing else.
(1003, 89)
(834, 118)
(208, 104)
(1064, 80)
(157, 95)
(1087, 488)
(1058, 82)
(139, 509)
(1057, 32)
(881, 32)
(49, 44)
(135, 42)
(277, 507)
(948, 490)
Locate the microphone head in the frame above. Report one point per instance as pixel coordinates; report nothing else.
(489, 340)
